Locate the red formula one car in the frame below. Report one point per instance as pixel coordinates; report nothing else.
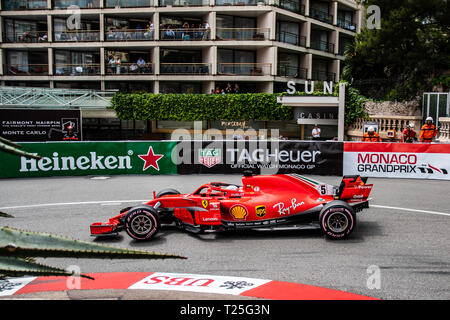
(272, 202)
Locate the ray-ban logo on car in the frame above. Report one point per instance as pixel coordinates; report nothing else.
(210, 157)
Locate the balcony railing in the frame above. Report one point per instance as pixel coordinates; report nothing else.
(77, 69)
(24, 4)
(288, 71)
(292, 38)
(129, 35)
(322, 46)
(128, 3)
(25, 37)
(321, 15)
(239, 2)
(185, 68)
(249, 69)
(129, 68)
(183, 3)
(26, 69)
(291, 5)
(323, 76)
(242, 33)
(185, 34)
(77, 36)
(83, 4)
(346, 24)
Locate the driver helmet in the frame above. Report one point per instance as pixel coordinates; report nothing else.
(429, 119)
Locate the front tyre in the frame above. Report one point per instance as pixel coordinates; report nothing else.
(142, 223)
(337, 220)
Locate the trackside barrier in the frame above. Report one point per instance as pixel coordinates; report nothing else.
(174, 157)
(386, 160)
(397, 160)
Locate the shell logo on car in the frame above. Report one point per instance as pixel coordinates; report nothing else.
(238, 212)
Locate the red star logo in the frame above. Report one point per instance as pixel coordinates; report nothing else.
(150, 159)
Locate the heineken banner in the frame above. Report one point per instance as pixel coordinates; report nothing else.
(260, 157)
(90, 158)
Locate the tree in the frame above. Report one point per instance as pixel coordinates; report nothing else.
(408, 51)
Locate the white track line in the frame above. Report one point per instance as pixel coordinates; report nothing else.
(72, 204)
(412, 210)
(117, 202)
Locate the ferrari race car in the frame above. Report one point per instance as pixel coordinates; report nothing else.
(262, 202)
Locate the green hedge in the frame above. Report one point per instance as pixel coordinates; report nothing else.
(196, 107)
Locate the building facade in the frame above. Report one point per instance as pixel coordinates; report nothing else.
(174, 46)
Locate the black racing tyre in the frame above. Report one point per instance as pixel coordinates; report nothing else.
(166, 192)
(337, 219)
(142, 223)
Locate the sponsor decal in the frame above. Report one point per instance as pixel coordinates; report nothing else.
(198, 283)
(150, 159)
(284, 209)
(205, 203)
(260, 211)
(210, 157)
(238, 212)
(10, 286)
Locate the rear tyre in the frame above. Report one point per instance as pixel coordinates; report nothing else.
(142, 223)
(166, 192)
(337, 220)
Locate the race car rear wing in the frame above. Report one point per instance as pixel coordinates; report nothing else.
(354, 189)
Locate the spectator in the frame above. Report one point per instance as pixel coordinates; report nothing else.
(43, 38)
(134, 68)
(217, 90)
(112, 64)
(206, 26)
(236, 88)
(371, 135)
(228, 89)
(118, 65)
(169, 34)
(142, 65)
(428, 131)
(409, 135)
(316, 132)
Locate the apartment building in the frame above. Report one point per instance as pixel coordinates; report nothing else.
(174, 46)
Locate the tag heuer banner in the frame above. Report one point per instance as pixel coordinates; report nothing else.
(398, 160)
(90, 158)
(260, 157)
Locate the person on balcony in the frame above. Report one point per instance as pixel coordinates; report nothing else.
(142, 65)
(428, 131)
(409, 135)
(371, 135)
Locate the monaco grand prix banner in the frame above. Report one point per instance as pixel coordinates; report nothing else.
(397, 160)
(260, 157)
(90, 158)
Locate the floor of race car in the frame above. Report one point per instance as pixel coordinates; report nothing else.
(400, 249)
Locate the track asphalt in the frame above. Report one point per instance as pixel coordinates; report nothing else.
(400, 249)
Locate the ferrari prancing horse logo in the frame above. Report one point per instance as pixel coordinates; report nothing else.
(205, 203)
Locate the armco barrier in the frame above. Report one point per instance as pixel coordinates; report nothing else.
(397, 160)
(172, 157)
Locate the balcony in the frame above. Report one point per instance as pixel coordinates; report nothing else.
(82, 69)
(292, 38)
(129, 35)
(244, 69)
(130, 68)
(183, 3)
(184, 34)
(321, 15)
(291, 5)
(24, 5)
(239, 2)
(26, 69)
(128, 3)
(185, 68)
(323, 76)
(346, 24)
(242, 33)
(25, 37)
(322, 46)
(77, 36)
(83, 4)
(288, 71)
